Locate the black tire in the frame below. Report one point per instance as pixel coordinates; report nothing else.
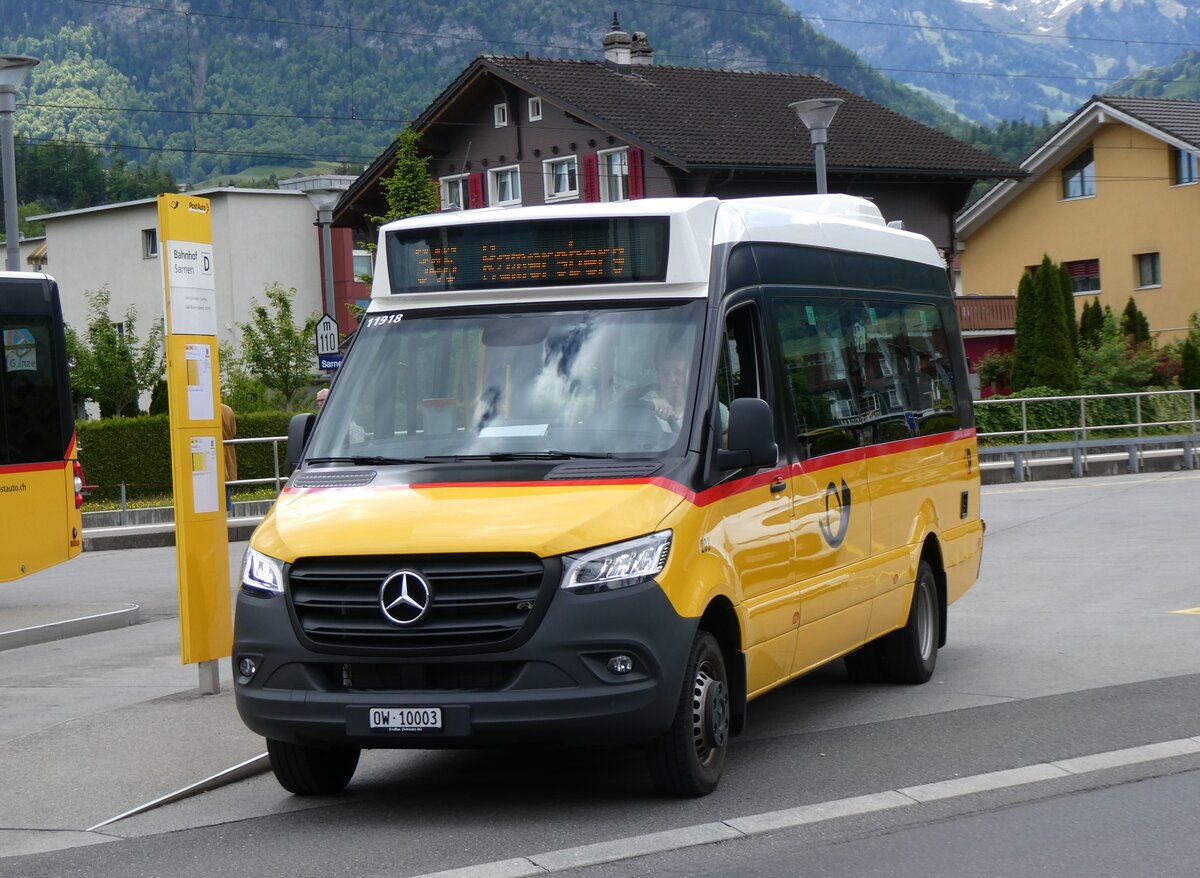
(910, 653)
(312, 771)
(688, 759)
(867, 664)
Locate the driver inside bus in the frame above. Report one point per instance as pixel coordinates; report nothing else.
(667, 399)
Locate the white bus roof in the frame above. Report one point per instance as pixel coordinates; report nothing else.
(837, 222)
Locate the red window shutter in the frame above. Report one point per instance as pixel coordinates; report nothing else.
(591, 178)
(637, 187)
(475, 190)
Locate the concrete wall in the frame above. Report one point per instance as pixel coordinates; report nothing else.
(259, 238)
(1135, 210)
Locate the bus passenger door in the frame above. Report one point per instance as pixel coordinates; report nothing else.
(831, 499)
(750, 515)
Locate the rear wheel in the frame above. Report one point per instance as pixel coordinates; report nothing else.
(312, 771)
(689, 758)
(910, 653)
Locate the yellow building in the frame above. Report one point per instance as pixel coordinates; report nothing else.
(1112, 194)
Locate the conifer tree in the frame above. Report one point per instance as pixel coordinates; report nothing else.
(410, 190)
(1091, 323)
(1134, 324)
(1189, 374)
(1055, 364)
(1024, 344)
(1068, 294)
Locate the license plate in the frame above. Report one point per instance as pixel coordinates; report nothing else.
(404, 719)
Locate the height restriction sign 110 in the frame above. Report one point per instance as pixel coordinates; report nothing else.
(327, 336)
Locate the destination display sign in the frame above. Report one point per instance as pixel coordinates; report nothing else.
(547, 253)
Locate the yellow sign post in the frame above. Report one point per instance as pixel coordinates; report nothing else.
(197, 462)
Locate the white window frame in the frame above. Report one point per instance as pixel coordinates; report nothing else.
(149, 243)
(500, 115)
(494, 186)
(535, 109)
(459, 182)
(1079, 173)
(603, 157)
(549, 176)
(1155, 261)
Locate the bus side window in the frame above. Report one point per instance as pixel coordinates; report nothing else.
(909, 371)
(822, 358)
(739, 366)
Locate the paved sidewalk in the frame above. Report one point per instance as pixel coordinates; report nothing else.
(96, 723)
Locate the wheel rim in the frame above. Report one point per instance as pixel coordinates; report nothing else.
(710, 714)
(925, 623)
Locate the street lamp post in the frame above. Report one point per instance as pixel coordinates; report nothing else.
(325, 200)
(816, 114)
(13, 70)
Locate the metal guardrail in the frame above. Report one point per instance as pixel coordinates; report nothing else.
(1091, 437)
(277, 480)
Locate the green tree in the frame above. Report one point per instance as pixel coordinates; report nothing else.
(1111, 365)
(1091, 323)
(1189, 374)
(1024, 344)
(112, 367)
(1055, 362)
(1134, 324)
(1068, 294)
(276, 351)
(1043, 354)
(410, 190)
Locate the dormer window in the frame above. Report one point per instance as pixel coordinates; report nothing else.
(535, 109)
(500, 114)
(1079, 176)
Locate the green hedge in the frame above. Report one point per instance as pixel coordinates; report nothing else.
(1065, 414)
(137, 451)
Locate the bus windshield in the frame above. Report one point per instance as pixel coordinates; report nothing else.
(589, 381)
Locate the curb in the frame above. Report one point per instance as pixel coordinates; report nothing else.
(120, 618)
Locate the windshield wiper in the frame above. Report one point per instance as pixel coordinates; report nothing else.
(500, 456)
(368, 460)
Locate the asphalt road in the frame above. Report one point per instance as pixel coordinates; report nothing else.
(1075, 641)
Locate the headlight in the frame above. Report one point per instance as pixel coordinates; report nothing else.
(617, 566)
(261, 574)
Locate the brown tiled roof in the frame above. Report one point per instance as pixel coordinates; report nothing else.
(1178, 118)
(984, 313)
(700, 117)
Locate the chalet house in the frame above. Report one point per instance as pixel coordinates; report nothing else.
(1113, 194)
(521, 130)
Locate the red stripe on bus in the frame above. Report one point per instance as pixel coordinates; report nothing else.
(8, 468)
(717, 492)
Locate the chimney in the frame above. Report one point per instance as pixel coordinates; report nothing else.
(617, 46)
(641, 52)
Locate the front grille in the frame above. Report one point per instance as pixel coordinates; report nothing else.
(478, 600)
(428, 677)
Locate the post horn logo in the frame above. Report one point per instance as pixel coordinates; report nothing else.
(837, 506)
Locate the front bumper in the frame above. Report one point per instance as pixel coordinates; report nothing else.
(553, 687)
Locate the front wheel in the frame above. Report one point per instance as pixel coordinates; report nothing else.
(690, 756)
(911, 652)
(312, 771)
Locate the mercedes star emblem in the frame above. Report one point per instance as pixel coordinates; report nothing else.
(405, 597)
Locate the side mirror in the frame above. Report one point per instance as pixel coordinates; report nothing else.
(298, 429)
(751, 436)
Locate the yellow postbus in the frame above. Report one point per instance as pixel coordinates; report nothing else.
(604, 474)
(40, 477)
